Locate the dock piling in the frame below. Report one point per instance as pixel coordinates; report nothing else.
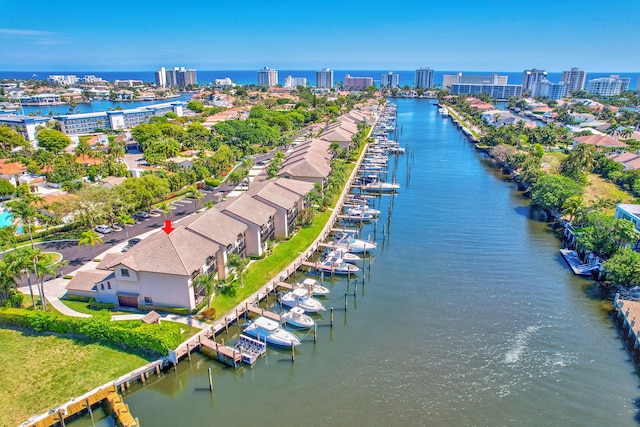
(293, 353)
(346, 301)
(331, 317)
(210, 381)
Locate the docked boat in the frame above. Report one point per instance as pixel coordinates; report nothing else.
(300, 297)
(314, 286)
(362, 209)
(357, 217)
(353, 245)
(344, 254)
(381, 187)
(250, 349)
(270, 332)
(333, 264)
(296, 317)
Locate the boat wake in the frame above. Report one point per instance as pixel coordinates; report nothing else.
(519, 346)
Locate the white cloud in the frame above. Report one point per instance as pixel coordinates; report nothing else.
(36, 36)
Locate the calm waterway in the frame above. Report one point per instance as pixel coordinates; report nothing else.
(468, 316)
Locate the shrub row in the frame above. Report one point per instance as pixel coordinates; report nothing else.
(154, 338)
(77, 298)
(95, 305)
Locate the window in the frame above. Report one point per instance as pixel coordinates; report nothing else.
(108, 285)
(102, 286)
(148, 300)
(124, 272)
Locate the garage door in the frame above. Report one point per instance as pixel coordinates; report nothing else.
(127, 301)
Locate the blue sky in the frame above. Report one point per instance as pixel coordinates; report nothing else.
(498, 35)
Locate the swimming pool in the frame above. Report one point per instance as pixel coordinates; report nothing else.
(6, 219)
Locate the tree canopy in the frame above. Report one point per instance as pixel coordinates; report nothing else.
(52, 140)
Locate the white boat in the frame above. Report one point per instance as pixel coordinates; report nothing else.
(354, 245)
(270, 332)
(381, 187)
(345, 255)
(362, 209)
(250, 349)
(357, 216)
(333, 264)
(296, 317)
(314, 286)
(301, 298)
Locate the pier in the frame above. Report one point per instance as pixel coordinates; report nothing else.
(628, 315)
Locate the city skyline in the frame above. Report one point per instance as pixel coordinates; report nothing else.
(464, 35)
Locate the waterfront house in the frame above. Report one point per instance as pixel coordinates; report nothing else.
(309, 168)
(160, 270)
(629, 212)
(258, 217)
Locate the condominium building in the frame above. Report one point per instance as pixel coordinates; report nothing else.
(179, 77)
(357, 83)
(324, 79)
(389, 80)
(574, 79)
(161, 77)
(547, 89)
(74, 124)
(24, 125)
(290, 81)
(530, 78)
(60, 80)
(424, 78)
(494, 91)
(606, 86)
(267, 77)
(450, 79)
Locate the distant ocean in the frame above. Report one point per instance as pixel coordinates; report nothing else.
(250, 76)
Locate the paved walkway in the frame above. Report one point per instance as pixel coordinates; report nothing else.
(187, 320)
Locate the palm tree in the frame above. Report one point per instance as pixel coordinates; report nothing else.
(205, 280)
(572, 205)
(165, 209)
(125, 219)
(19, 262)
(91, 238)
(196, 195)
(239, 264)
(44, 266)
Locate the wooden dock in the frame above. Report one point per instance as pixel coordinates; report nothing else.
(222, 352)
(629, 315)
(576, 265)
(262, 312)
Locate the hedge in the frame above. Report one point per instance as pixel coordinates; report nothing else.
(154, 338)
(78, 298)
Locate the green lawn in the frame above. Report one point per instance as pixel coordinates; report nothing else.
(41, 371)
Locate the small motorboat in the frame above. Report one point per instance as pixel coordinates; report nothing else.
(270, 332)
(333, 264)
(296, 317)
(362, 210)
(314, 286)
(354, 245)
(381, 187)
(345, 255)
(300, 297)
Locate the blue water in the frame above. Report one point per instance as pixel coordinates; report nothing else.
(98, 105)
(251, 77)
(6, 219)
(467, 316)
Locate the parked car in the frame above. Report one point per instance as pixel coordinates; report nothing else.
(141, 216)
(103, 229)
(131, 243)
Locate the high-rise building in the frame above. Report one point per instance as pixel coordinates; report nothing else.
(547, 89)
(607, 86)
(357, 83)
(324, 79)
(267, 77)
(574, 79)
(451, 79)
(424, 78)
(389, 80)
(290, 81)
(177, 77)
(161, 77)
(531, 78)
(498, 91)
